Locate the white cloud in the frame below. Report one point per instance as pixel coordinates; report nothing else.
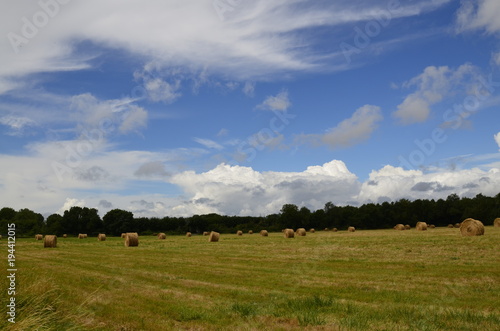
(209, 143)
(351, 131)
(280, 102)
(481, 14)
(249, 89)
(248, 45)
(391, 184)
(70, 203)
(432, 86)
(497, 139)
(243, 191)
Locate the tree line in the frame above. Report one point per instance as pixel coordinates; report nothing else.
(76, 220)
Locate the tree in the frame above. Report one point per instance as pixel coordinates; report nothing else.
(118, 221)
(290, 216)
(54, 224)
(7, 213)
(28, 222)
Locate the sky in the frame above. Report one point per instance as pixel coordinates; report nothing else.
(183, 107)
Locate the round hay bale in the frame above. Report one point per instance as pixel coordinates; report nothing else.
(407, 227)
(312, 230)
(421, 226)
(162, 236)
(188, 234)
(457, 225)
(239, 233)
(250, 232)
(450, 226)
(335, 229)
(38, 237)
(289, 233)
(471, 227)
(131, 239)
(50, 241)
(101, 237)
(264, 233)
(124, 235)
(399, 227)
(81, 236)
(432, 226)
(496, 222)
(65, 235)
(351, 229)
(301, 232)
(206, 233)
(326, 229)
(213, 237)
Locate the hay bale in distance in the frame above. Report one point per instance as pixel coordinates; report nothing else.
(65, 235)
(188, 234)
(471, 227)
(50, 241)
(496, 222)
(407, 227)
(131, 239)
(312, 230)
(335, 229)
(101, 237)
(421, 226)
(38, 237)
(450, 226)
(457, 225)
(351, 229)
(432, 226)
(124, 235)
(162, 236)
(399, 227)
(250, 232)
(301, 232)
(214, 236)
(289, 233)
(239, 233)
(326, 229)
(264, 233)
(206, 233)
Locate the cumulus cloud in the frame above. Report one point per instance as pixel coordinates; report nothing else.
(394, 183)
(432, 86)
(349, 132)
(482, 14)
(279, 102)
(70, 203)
(244, 191)
(497, 139)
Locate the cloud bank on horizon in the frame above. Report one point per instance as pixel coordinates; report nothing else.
(186, 107)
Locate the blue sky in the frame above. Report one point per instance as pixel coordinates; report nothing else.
(186, 107)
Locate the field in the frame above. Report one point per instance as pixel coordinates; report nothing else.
(366, 280)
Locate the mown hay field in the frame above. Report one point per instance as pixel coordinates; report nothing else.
(366, 280)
